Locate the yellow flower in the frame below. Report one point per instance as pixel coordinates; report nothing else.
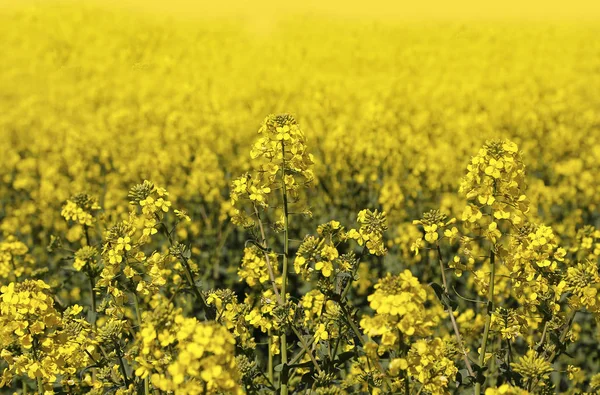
(325, 267)
(321, 333)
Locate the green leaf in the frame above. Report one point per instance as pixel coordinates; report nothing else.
(439, 291)
(344, 357)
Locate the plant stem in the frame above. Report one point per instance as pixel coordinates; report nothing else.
(543, 339)
(488, 319)
(301, 353)
(451, 314)
(307, 349)
(349, 285)
(270, 363)
(209, 315)
(139, 319)
(138, 315)
(93, 317)
(563, 335)
(284, 359)
(87, 235)
(188, 274)
(93, 295)
(267, 260)
(362, 342)
(122, 365)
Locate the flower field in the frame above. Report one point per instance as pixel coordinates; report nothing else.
(216, 203)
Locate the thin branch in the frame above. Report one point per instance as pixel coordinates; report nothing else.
(451, 314)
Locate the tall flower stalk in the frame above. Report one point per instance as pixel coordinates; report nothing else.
(280, 150)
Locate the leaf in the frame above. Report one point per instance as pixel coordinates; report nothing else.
(453, 304)
(480, 377)
(344, 357)
(439, 291)
(302, 365)
(458, 379)
(442, 295)
(308, 379)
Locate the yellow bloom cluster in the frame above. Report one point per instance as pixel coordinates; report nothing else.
(398, 302)
(431, 363)
(15, 261)
(234, 316)
(531, 366)
(150, 198)
(80, 209)
(533, 264)
(583, 281)
(370, 233)
(495, 185)
(36, 340)
(97, 98)
(182, 354)
(282, 164)
(320, 254)
(433, 223)
(205, 362)
(506, 389)
(254, 268)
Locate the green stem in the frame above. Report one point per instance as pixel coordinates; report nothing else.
(190, 279)
(93, 296)
(362, 342)
(270, 365)
(284, 358)
(122, 365)
(337, 344)
(139, 319)
(301, 353)
(267, 259)
(488, 319)
(451, 314)
(138, 315)
(563, 336)
(40, 386)
(349, 285)
(87, 235)
(307, 349)
(93, 317)
(209, 315)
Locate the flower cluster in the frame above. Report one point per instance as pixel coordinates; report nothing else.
(80, 209)
(398, 302)
(532, 367)
(434, 223)
(283, 164)
(431, 363)
(535, 262)
(370, 233)
(495, 187)
(526, 267)
(320, 254)
(15, 260)
(36, 340)
(205, 361)
(255, 269)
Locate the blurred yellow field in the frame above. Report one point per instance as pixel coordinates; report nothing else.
(424, 221)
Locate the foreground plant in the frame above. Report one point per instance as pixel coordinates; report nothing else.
(307, 314)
